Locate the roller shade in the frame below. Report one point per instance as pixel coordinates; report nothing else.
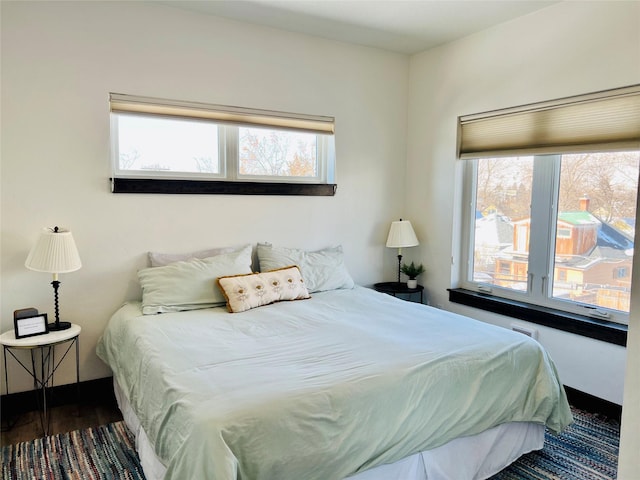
(603, 121)
(121, 103)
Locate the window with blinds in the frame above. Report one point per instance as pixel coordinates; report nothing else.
(168, 146)
(551, 193)
(597, 122)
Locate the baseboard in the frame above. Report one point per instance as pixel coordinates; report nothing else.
(90, 391)
(592, 404)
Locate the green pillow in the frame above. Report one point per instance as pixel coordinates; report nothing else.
(322, 270)
(190, 284)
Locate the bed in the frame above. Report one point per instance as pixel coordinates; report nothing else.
(340, 382)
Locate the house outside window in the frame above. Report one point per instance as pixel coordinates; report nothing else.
(557, 215)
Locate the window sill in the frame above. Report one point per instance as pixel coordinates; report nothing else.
(211, 187)
(603, 330)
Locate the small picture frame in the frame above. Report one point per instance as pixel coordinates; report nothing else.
(30, 326)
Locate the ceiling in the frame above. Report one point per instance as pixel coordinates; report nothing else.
(405, 26)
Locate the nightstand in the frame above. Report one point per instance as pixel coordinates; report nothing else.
(399, 288)
(42, 367)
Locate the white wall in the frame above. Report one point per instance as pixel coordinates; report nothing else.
(60, 61)
(566, 49)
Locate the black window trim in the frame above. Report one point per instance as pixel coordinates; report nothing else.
(606, 331)
(213, 187)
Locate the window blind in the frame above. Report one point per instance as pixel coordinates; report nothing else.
(602, 121)
(121, 103)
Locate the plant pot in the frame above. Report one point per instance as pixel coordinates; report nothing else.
(412, 283)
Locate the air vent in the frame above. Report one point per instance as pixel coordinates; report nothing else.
(529, 332)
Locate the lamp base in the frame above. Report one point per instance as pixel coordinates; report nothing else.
(55, 327)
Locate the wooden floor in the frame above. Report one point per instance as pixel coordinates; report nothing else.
(66, 418)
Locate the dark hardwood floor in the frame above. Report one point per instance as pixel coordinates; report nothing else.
(26, 426)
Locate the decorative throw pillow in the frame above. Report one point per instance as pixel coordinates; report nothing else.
(244, 292)
(157, 259)
(190, 284)
(322, 270)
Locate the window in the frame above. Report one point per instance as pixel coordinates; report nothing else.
(561, 275)
(622, 272)
(168, 147)
(279, 154)
(551, 218)
(582, 208)
(218, 149)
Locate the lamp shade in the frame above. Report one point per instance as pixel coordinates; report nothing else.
(54, 252)
(401, 235)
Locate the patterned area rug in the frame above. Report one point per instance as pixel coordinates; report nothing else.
(100, 453)
(587, 450)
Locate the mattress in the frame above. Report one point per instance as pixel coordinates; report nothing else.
(329, 387)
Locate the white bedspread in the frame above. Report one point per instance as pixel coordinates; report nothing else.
(321, 388)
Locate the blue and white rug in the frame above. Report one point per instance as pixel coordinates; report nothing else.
(586, 450)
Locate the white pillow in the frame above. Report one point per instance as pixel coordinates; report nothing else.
(161, 259)
(244, 292)
(190, 284)
(322, 270)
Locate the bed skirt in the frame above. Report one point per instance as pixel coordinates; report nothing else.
(467, 458)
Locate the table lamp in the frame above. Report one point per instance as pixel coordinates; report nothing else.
(401, 235)
(55, 252)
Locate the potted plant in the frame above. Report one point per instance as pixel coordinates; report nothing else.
(412, 271)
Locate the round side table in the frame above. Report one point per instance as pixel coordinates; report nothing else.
(42, 371)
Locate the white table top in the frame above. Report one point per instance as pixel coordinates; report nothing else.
(9, 339)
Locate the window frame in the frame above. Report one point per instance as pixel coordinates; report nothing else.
(598, 329)
(323, 162)
(540, 276)
(228, 121)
